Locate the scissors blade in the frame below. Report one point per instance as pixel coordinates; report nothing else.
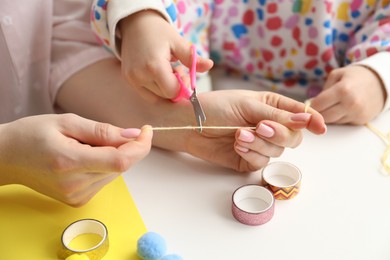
(198, 110)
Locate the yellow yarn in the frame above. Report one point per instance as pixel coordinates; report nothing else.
(307, 105)
(190, 127)
(385, 160)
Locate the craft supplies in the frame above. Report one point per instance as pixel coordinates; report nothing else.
(307, 105)
(152, 246)
(203, 127)
(283, 179)
(78, 257)
(253, 204)
(184, 92)
(87, 239)
(385, 160)
(85, 231)
(172, 257)
(40, 236)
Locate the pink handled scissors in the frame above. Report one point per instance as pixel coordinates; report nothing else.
(185, 93)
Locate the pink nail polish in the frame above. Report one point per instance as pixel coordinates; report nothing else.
(265, 130)
(300, 117)
(246, 136)
(131, 132)
(242, 149)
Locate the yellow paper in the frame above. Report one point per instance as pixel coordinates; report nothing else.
(31, 224)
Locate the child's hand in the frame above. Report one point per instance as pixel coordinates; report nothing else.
(67, 157)
(351, 95)
(149, 45)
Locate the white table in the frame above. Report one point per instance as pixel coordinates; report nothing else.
(341, 213)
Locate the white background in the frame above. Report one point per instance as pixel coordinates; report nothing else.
(341, 213)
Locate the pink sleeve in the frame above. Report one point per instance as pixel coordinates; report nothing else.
(74, 45)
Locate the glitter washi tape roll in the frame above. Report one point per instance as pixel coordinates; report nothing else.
(253, 205)
(283, 179)
(95, 249)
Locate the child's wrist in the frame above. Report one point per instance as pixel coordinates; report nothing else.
(134, 24)
(174, 114)
(379, 80)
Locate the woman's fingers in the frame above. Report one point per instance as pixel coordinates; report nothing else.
(94, 167)
(269, 140)
(84, 157)
(251, 160)
(91, 132)
(291, 113)
(282, 135)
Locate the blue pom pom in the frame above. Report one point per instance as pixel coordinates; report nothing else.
(151, 246)
(172, 257)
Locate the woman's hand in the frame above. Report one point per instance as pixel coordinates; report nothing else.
(67, 157)
(278, 122)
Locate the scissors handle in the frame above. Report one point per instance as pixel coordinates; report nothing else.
(184, 92)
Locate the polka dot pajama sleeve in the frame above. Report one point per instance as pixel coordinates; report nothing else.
(370, 45)
(105, 15)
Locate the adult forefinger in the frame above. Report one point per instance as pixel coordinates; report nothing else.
(91, 132)
(289, 112)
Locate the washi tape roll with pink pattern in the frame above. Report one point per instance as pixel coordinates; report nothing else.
(253, 205)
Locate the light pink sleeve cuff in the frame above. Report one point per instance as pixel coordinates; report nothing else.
(380, 63)
(119, 9)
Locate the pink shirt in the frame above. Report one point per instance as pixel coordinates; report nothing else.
(42, 43)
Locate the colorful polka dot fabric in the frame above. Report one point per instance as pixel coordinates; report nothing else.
(287, 46)
(99, 22)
